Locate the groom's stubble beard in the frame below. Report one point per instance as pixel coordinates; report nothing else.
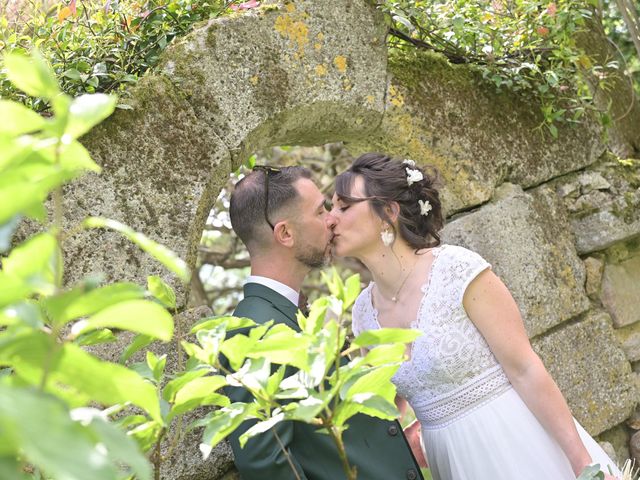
(314, 257)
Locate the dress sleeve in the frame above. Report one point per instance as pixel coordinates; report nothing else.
(468, 266)
(356, 317)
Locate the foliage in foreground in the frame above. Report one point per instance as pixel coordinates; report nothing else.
(65, 413)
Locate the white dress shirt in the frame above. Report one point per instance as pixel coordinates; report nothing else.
(284, 290)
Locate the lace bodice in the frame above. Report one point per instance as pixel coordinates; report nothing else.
(451, 368)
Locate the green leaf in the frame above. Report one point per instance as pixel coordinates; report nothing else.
(12, 289)
(235, 349)
(31, 75)
(34, 261)
(156, 364)
(313, 322)
(172, 387)
(121, 448)
(199, 392)
(211, 340)
(139, 342)
(591, 472)
(254, 376)
(386, 335)
(376, 406)
(199, 387)
(352, 290)
(163, 292)
(96, 337)
(75, 157)
(77, 303)
(157, 251)
(69, 449)
(282, 345)
(376, 381)
(20, 194)
(307, 409)
(230, 323)
(261, 427)
(225, 421)
(23, 119)
(273, 384)
(86, 111)
(385, 354)
(68, 364)
(146, 434)
(212, 399)
(26, 312)
(140, 316)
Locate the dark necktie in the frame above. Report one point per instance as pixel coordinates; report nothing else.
(302, 304)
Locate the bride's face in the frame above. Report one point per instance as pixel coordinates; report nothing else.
(356, 227)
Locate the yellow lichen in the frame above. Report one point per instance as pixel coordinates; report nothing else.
(254, 80)
(395, 97)
(296, 31)
(341, 63)
(321, 70)
(371, 99)
(317, 46)
(290, 7)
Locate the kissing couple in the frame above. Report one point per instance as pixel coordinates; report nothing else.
(486, 407)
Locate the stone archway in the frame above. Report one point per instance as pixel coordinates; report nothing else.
(302, 73)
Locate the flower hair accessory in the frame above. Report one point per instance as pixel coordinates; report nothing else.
(425, 207)
(413, 176)
(409, 162)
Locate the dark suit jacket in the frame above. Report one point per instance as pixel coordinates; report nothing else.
(376, 447)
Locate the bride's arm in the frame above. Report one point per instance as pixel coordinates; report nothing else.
(492, 309)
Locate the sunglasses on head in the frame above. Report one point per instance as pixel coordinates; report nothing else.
(267, 170)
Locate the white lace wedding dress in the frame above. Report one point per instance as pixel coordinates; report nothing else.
(474, 424)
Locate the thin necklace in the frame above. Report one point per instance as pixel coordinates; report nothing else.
(394, 299)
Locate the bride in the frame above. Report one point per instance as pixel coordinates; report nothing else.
(486, 406)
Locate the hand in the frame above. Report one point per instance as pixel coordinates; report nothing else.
(413, 434)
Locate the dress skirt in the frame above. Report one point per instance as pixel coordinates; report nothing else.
(502, 440)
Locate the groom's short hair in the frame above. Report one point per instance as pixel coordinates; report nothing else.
(247, 203)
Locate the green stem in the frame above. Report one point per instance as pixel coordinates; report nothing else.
(336, 436)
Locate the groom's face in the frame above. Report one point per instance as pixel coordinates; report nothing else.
(311, 223)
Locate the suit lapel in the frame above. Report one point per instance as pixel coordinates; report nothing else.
(280, 303)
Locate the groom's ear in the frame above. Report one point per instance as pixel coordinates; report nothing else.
(283, 234)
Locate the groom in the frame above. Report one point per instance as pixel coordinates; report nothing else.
(280, 215)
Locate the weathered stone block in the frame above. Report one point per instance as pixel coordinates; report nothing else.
(593, 269)
(526, 238)
(618, 437)
(620, 292)
(162, 169)
(293, 74)
(586, 361)
(630, 339)
(604, 203)
(448, 116)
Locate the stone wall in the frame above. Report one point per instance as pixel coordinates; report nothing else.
(558, 219)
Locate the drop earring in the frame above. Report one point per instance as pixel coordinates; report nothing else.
(387, 236)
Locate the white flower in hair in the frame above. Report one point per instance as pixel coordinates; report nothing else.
(409, 162)
(413, 176)
(425, 207)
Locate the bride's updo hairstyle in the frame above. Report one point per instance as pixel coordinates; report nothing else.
(387, 180)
